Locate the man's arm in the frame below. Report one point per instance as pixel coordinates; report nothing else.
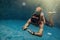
(44, 19)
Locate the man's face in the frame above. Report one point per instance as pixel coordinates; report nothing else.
(38, 9)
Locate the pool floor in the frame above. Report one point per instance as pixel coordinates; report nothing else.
(12, 30)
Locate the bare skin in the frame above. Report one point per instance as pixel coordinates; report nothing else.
(27, 24)
(50, 15)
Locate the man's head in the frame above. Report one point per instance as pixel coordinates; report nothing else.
(38, 9)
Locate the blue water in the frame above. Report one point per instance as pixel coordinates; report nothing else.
(12, 30)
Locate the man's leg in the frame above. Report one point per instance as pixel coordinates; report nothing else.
(27, 24)
(40, 32)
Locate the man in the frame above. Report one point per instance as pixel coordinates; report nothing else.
(37, 18)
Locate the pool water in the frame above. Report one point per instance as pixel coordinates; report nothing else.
(12, 30)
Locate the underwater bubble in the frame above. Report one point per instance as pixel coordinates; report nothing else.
(23, 3)
(49, 33)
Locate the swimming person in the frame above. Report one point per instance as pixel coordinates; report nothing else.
(37, 18)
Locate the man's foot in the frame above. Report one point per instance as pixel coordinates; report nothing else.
(24, 28)
(33, 33)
